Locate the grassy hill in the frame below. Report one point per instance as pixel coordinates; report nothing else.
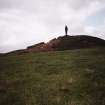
(75, 77)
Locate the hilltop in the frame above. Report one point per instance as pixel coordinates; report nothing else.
(57, 75)
(64, 43)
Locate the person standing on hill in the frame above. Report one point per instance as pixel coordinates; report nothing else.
(66, 30)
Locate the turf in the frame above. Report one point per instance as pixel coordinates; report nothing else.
(74, 77)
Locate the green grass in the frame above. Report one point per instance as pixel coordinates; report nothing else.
(75, 77)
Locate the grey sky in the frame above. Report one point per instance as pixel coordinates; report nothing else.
(26, 22)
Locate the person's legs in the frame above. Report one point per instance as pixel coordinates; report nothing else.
(66, 31)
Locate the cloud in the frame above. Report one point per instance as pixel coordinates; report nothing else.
(25, 22)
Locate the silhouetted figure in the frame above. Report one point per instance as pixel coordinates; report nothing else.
(66, 30)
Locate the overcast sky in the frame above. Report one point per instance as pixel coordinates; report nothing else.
(26, 22)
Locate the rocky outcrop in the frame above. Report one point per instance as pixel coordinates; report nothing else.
(64, 43)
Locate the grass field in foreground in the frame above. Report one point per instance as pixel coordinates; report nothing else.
(75, 77)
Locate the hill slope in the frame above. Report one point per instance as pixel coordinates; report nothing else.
(75, 77)
(65, 43)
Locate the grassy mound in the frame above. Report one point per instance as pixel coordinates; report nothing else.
(75, 77)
